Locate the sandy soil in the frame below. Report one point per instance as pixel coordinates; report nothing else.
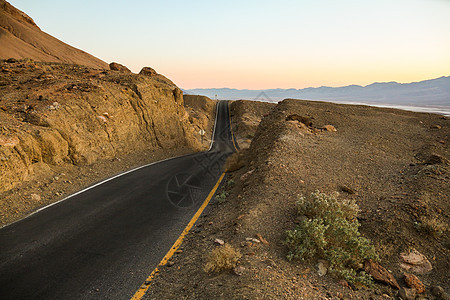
(394, 163)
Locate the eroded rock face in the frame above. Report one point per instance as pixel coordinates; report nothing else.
(81, 115)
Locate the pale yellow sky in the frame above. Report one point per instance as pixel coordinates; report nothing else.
(259, 44)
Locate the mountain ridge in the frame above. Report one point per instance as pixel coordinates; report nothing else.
(427, 92)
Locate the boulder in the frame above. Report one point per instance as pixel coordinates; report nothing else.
(118, 67)
(414, 261)
(413, 282)
(147, 71)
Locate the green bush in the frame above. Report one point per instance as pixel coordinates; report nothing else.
(222, 196)
(329, 231)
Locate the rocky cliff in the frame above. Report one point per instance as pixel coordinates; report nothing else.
(56, 114)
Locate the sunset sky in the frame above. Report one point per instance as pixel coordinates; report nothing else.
(259, 44)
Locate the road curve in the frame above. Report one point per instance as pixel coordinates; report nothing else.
(103, 243)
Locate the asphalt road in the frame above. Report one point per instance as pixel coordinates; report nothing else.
(104, 242)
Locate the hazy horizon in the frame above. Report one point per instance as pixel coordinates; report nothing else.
(259, 44)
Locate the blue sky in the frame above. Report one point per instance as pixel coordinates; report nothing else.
(259, 44)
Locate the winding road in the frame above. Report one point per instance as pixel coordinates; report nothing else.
(103, 242)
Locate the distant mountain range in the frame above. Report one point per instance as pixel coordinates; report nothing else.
(423, 93)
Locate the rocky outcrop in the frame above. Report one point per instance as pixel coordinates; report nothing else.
(118, 67)
(147, 71)
(55, 114)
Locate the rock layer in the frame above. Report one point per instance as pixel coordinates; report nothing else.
(53, 114)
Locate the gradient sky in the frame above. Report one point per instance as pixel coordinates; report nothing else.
(258, 44)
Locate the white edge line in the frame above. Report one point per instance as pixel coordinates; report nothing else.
(114, 177)
(93, 186)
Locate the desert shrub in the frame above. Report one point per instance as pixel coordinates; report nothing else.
(222, 196)
(222, 258)
(330, 232)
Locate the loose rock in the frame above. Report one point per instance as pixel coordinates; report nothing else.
(330, 128)
(407, 294)
(414, 261)
(239, 270)
(219, 241)
(322, 267)
(379, 273)
(413, 282)
(304, 120)
(439, 293)
(263, 240)
(35, 197)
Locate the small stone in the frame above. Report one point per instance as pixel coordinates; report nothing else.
(379, 273)
(170, 263)
(330, 128)
(239, 270)
(219, 241)
(347, 190)
(102, 118)
(263, 240)
(35, 197)
(436, 126)
(413, 282)
(253, 240)
(344, 283)
(407, 294)
(246, 175)
(322, 267)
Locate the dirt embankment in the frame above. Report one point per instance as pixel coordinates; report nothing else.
(21, 38)
(246, 116)
(393, 163)
(57, 117)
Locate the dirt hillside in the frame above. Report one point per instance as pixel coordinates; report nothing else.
(394, 164)
(57, 117)
(21, 38)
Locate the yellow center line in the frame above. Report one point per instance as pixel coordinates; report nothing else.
(146, 285)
